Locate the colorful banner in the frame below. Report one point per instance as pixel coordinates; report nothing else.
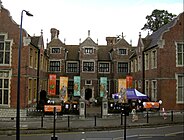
(129, 81)
(122, 91)
(52, 84)
(63, 88)
(76, 85)
(103, 86)
(121, 84)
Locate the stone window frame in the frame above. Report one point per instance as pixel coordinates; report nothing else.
(182, 54)
(5, 74)
(89, 62)
(104, 67)
(178, 86)
(76, 68)
(58, 51)
(154, 90)
(6, 40)
(58, 67)
(120, 69)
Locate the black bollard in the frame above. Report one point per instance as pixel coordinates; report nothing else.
(147, 117)
(68, 121)
(54, 137)
(121, 118)
(42, 121)
(95, 120)
(172, 116)
(125, 126)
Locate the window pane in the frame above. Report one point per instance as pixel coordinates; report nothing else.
(6, 83)
(1, 83)
(7, 46)
(1, 46)
(1, 57)
(1, 37)
(7, 58)
(0, 96)
(180, 94)
(5, 96)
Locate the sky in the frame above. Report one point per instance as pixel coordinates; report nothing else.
(73, 18)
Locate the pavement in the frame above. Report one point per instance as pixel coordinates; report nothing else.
(68, 123)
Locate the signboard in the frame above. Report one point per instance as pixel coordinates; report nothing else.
(63, 88)
(103, 86)
(52, 84)
(151, 105)
(76, 85)
(50, 108)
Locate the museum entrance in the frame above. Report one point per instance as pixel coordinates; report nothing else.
(88, 94)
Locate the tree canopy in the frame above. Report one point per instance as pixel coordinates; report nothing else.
(157, 19)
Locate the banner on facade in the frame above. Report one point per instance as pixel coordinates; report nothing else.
(63, 88)
(103, 86)
(76, 85)
(122, 91)
(52, 84)
(129, 80)
(121, 84)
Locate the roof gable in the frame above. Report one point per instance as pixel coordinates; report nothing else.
(88, 42)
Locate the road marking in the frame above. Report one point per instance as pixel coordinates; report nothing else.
(119, 138)
(174, 133)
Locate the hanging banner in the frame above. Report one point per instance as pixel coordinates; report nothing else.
(52, 84)
(122, 91)
(76, 85)
(103, 86)
(63, 88)
(129, 81)
(121, 84)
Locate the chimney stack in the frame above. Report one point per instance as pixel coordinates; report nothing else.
(54, 33)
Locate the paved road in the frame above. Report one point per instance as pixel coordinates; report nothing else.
(156, 133)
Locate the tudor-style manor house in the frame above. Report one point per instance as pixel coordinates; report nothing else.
(90, 61)
(156, 64)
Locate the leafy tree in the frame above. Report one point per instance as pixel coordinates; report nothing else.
(157, 19)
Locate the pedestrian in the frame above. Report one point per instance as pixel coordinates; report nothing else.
(164, 114)
(134, 115)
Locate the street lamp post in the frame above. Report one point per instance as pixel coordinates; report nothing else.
(18, 77)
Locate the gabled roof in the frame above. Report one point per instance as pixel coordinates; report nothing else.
(156, 36)
(122, 42)
(88, 42)
(55, 42)
(35, 40)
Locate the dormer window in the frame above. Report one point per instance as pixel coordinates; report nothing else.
(55, 50)
(123, 51)
(88, 51)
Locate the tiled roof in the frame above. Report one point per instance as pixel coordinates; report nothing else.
(103, 53)
(35, 40)
(88, 42)
(55, 43)
(155, 36)
(73, 52)
(122, 42)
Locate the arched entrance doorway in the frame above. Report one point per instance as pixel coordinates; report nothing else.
(88, 93)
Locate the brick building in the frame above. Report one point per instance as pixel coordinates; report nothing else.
(33, 58)
(90, 61)
(157, 64)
